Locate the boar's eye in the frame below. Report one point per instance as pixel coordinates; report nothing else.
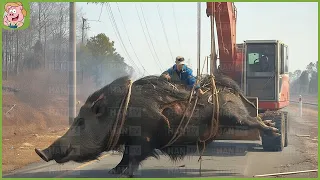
(97, 105)
(97, 109)
(81, 122)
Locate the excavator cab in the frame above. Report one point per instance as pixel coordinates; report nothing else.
(266, 73)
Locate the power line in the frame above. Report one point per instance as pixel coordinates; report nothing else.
(175, 20)
(149, 35)
(145, 35)
(164, 30)
(129, 38)
(114, 25)
(100, 12)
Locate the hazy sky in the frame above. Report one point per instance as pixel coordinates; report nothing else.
(296, 24)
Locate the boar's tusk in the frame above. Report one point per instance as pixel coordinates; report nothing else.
(42, 155)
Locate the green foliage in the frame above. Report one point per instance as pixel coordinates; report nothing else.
(99, 59)
(100, 45)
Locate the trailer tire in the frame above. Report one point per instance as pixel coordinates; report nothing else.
(270, 143)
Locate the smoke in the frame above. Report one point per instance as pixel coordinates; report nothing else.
(101, 70)
(305, 82)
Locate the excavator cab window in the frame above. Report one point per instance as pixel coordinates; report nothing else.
(260, 76)
(260, 57)
(284, 59)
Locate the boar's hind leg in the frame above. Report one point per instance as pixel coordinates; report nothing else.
(237, 112)
(254, 122)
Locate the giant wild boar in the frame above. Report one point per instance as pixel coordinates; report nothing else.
(155, 110)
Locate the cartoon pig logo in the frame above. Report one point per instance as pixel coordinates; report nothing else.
(14, 14)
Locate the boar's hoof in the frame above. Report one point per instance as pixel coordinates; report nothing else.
(116, 170)
(272, 124)
(275, 130)
(269, 123)
(129, 172)
(125, 176)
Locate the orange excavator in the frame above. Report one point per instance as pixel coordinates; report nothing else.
(260, 67)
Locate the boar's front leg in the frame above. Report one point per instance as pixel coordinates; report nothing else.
(137, 150)
(236, 113)
(123, 163)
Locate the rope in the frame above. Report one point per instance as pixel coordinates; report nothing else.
(113, 141)
(214, 124)
(176, 135)
(213, 128)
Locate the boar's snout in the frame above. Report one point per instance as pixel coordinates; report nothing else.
(44, 154)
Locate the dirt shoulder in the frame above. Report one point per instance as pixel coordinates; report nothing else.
(18, 151)
(308, 98)
(305, 130)
(35, 114)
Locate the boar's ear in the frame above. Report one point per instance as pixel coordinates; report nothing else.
(20, 7)
(98, 106)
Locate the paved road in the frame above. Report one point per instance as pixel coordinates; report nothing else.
(250, 160)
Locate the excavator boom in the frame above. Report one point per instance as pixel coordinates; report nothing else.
(225, 15)
(252, 64)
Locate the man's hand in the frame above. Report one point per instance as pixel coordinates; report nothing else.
(200, 92)
(167, 76)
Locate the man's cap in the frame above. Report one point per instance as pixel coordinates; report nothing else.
(180, 60)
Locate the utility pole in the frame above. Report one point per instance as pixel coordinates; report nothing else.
(199, 36)
(83, 23)
(6, 37)
(213, 56)
(72, 62)
(39, 21)
(207, 59)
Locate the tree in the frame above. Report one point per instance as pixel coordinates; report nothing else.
(49, 25)
(34, 60)
(313, 85)
(100, 45)
(296, 74)
(304, 81)
(98, 58)
(310, 67)
(290, 75)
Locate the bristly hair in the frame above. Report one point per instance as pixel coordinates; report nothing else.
(221, 80)
(118, 82)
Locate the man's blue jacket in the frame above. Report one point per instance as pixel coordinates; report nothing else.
(185, 76)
